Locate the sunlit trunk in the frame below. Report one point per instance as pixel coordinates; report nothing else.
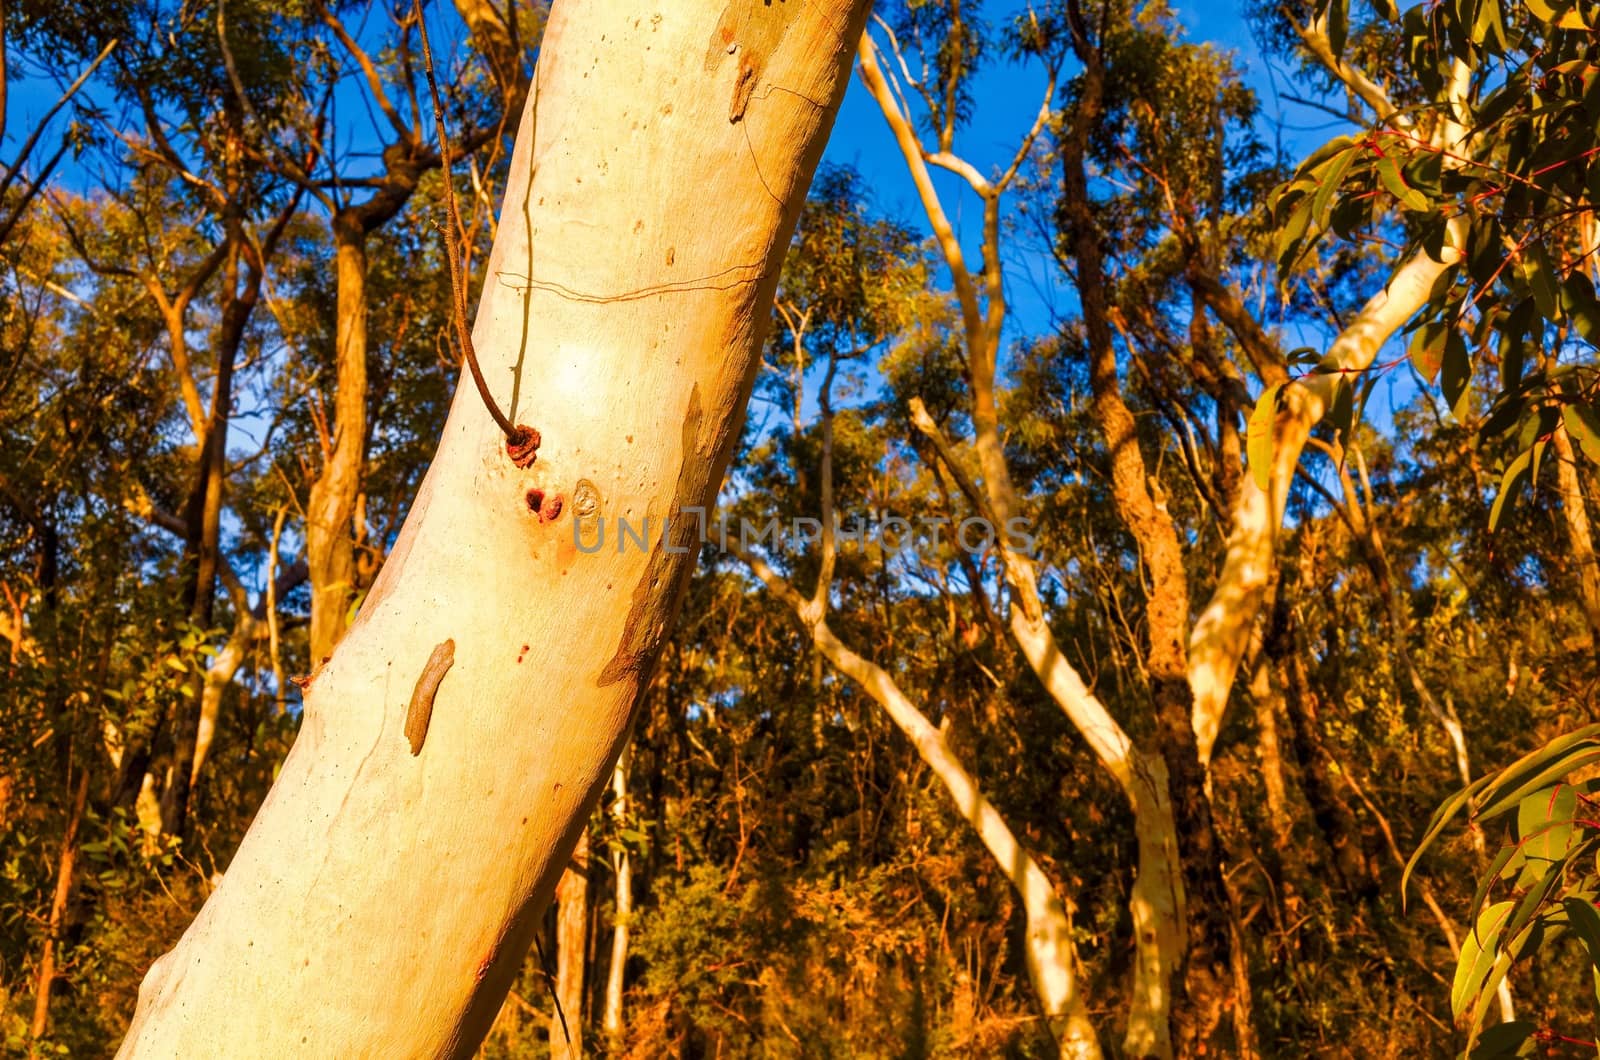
(572, 938)
(389, 887)
(1049, 949)
(330, 534)
(622, 868)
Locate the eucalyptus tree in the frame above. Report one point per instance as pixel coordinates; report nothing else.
(360, 199)
(852, 286)
(187, 144)
(454, 744)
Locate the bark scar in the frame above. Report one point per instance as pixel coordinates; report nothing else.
(420, 712)
(742, 89)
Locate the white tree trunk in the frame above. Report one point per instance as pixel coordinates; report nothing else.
(1156, 900)
(1050, 952)
(383, 900)
(1219, 638)
(622, 864)
(572, 946)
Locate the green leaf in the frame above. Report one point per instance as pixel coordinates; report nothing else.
(1410, 198)
(1585, 923)
(1488, 29)
(1578, 298)
(1258, 434)
(1508, 861)
(1506, 793)
(1338, 25)
(1479, 951)
(1541, 279)
(1510, 483)
(1342, 415)
(1545, 830)
(1505, 1041)
(1427, 349)
(1331, 181)
(1456, 380)
(1583, 425)
(1503, 414)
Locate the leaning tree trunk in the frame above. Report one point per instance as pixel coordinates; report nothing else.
(383, 900)
(330, 536)
(622, 865)
(572, 950)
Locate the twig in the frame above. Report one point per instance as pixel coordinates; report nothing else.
(522, 442)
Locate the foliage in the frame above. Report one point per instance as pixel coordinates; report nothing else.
(803, 884)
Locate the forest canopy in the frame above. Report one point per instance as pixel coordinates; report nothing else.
(1137, 593)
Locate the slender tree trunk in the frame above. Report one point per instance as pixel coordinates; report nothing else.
(649, 207)
(251, 626)
(1157, 901)
(622, 867)
(66, 876)
(1212, 965)
(205, 523)
(330, 534)
(1050, 952)
(1575, 514)
(572, 945)
(1221, 634)
(1266, 698)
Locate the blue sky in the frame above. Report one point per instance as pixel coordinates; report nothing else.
(1008, 97)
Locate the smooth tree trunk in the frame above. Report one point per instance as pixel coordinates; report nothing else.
(1221, 634)
(330, 510)
(1156, 902)
(66, 879)
(622, 867)
(1048, 947)
(252, 625)
(382, 901)
(572, 944)
(1580, 539)
(1213, 965)
(203, 543)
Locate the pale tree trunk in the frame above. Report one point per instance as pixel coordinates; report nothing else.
(1157, 898)
(1214, 963)
(382, 901)
(66, 877)
(1575, 514)
(1156, 901)
(1049, 950)
(572, 939)
(1220, 636)
(330, 534)
(1050, 954)
(1218, 640)
(622, 867)
(251, 626)
(1269, 750)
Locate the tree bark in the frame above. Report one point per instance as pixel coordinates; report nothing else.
(202, 551)
(66, 877)
(330, 536)
(1212, 965)
(1050, 952)
(383, 900)
(622, 866)
(572, 937)
(1575, 514)
(1157, 900)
